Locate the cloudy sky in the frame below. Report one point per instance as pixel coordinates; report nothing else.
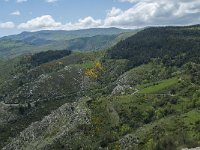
(32, 15)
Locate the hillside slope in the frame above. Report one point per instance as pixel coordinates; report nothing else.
(107, 99)
(172, 44)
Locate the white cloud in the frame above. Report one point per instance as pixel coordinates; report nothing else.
(42, 22)
(21, 1)
(87, 22)
(155, 12)
(114, 12)
(47, 22)
(51, 1)
(16, 13)
(142, 13)
(7, 25)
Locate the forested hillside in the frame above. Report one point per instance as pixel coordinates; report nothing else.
(143, 94)
(173, 45)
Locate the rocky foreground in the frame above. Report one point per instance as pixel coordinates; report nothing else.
(59, 124)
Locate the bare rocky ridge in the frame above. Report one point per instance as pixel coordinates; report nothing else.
(197, 148)
(41, 135)
(6, 113)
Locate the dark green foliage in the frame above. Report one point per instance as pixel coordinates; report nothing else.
(44, 57)
(22, 110)
(197, 126)
(174, 45)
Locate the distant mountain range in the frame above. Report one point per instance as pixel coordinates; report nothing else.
(65, 35)
(81, 40)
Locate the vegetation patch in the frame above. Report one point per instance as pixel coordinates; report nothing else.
(159, 86)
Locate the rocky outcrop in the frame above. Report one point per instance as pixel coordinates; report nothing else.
(120, 89)
(41, 135)
(6, 113)
(129, 142)
(197, 148)
(43, 86)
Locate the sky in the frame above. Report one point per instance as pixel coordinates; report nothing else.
(33, 15)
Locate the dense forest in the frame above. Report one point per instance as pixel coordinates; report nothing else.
(44, 57)
(173, 45)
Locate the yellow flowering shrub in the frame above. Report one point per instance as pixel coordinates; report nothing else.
(95, 71)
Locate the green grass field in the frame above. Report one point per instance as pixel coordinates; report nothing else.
(159, 86)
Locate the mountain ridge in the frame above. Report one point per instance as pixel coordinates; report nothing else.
(85, 32)
(31, 42)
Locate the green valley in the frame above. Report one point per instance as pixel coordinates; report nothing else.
(115, 90)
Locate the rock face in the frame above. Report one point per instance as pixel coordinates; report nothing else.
(120, 89)
(36, 85)
(197, 148)
(129, 142)
(6, 114)
(43, 134)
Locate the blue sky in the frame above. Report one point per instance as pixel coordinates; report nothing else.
(32, 15)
